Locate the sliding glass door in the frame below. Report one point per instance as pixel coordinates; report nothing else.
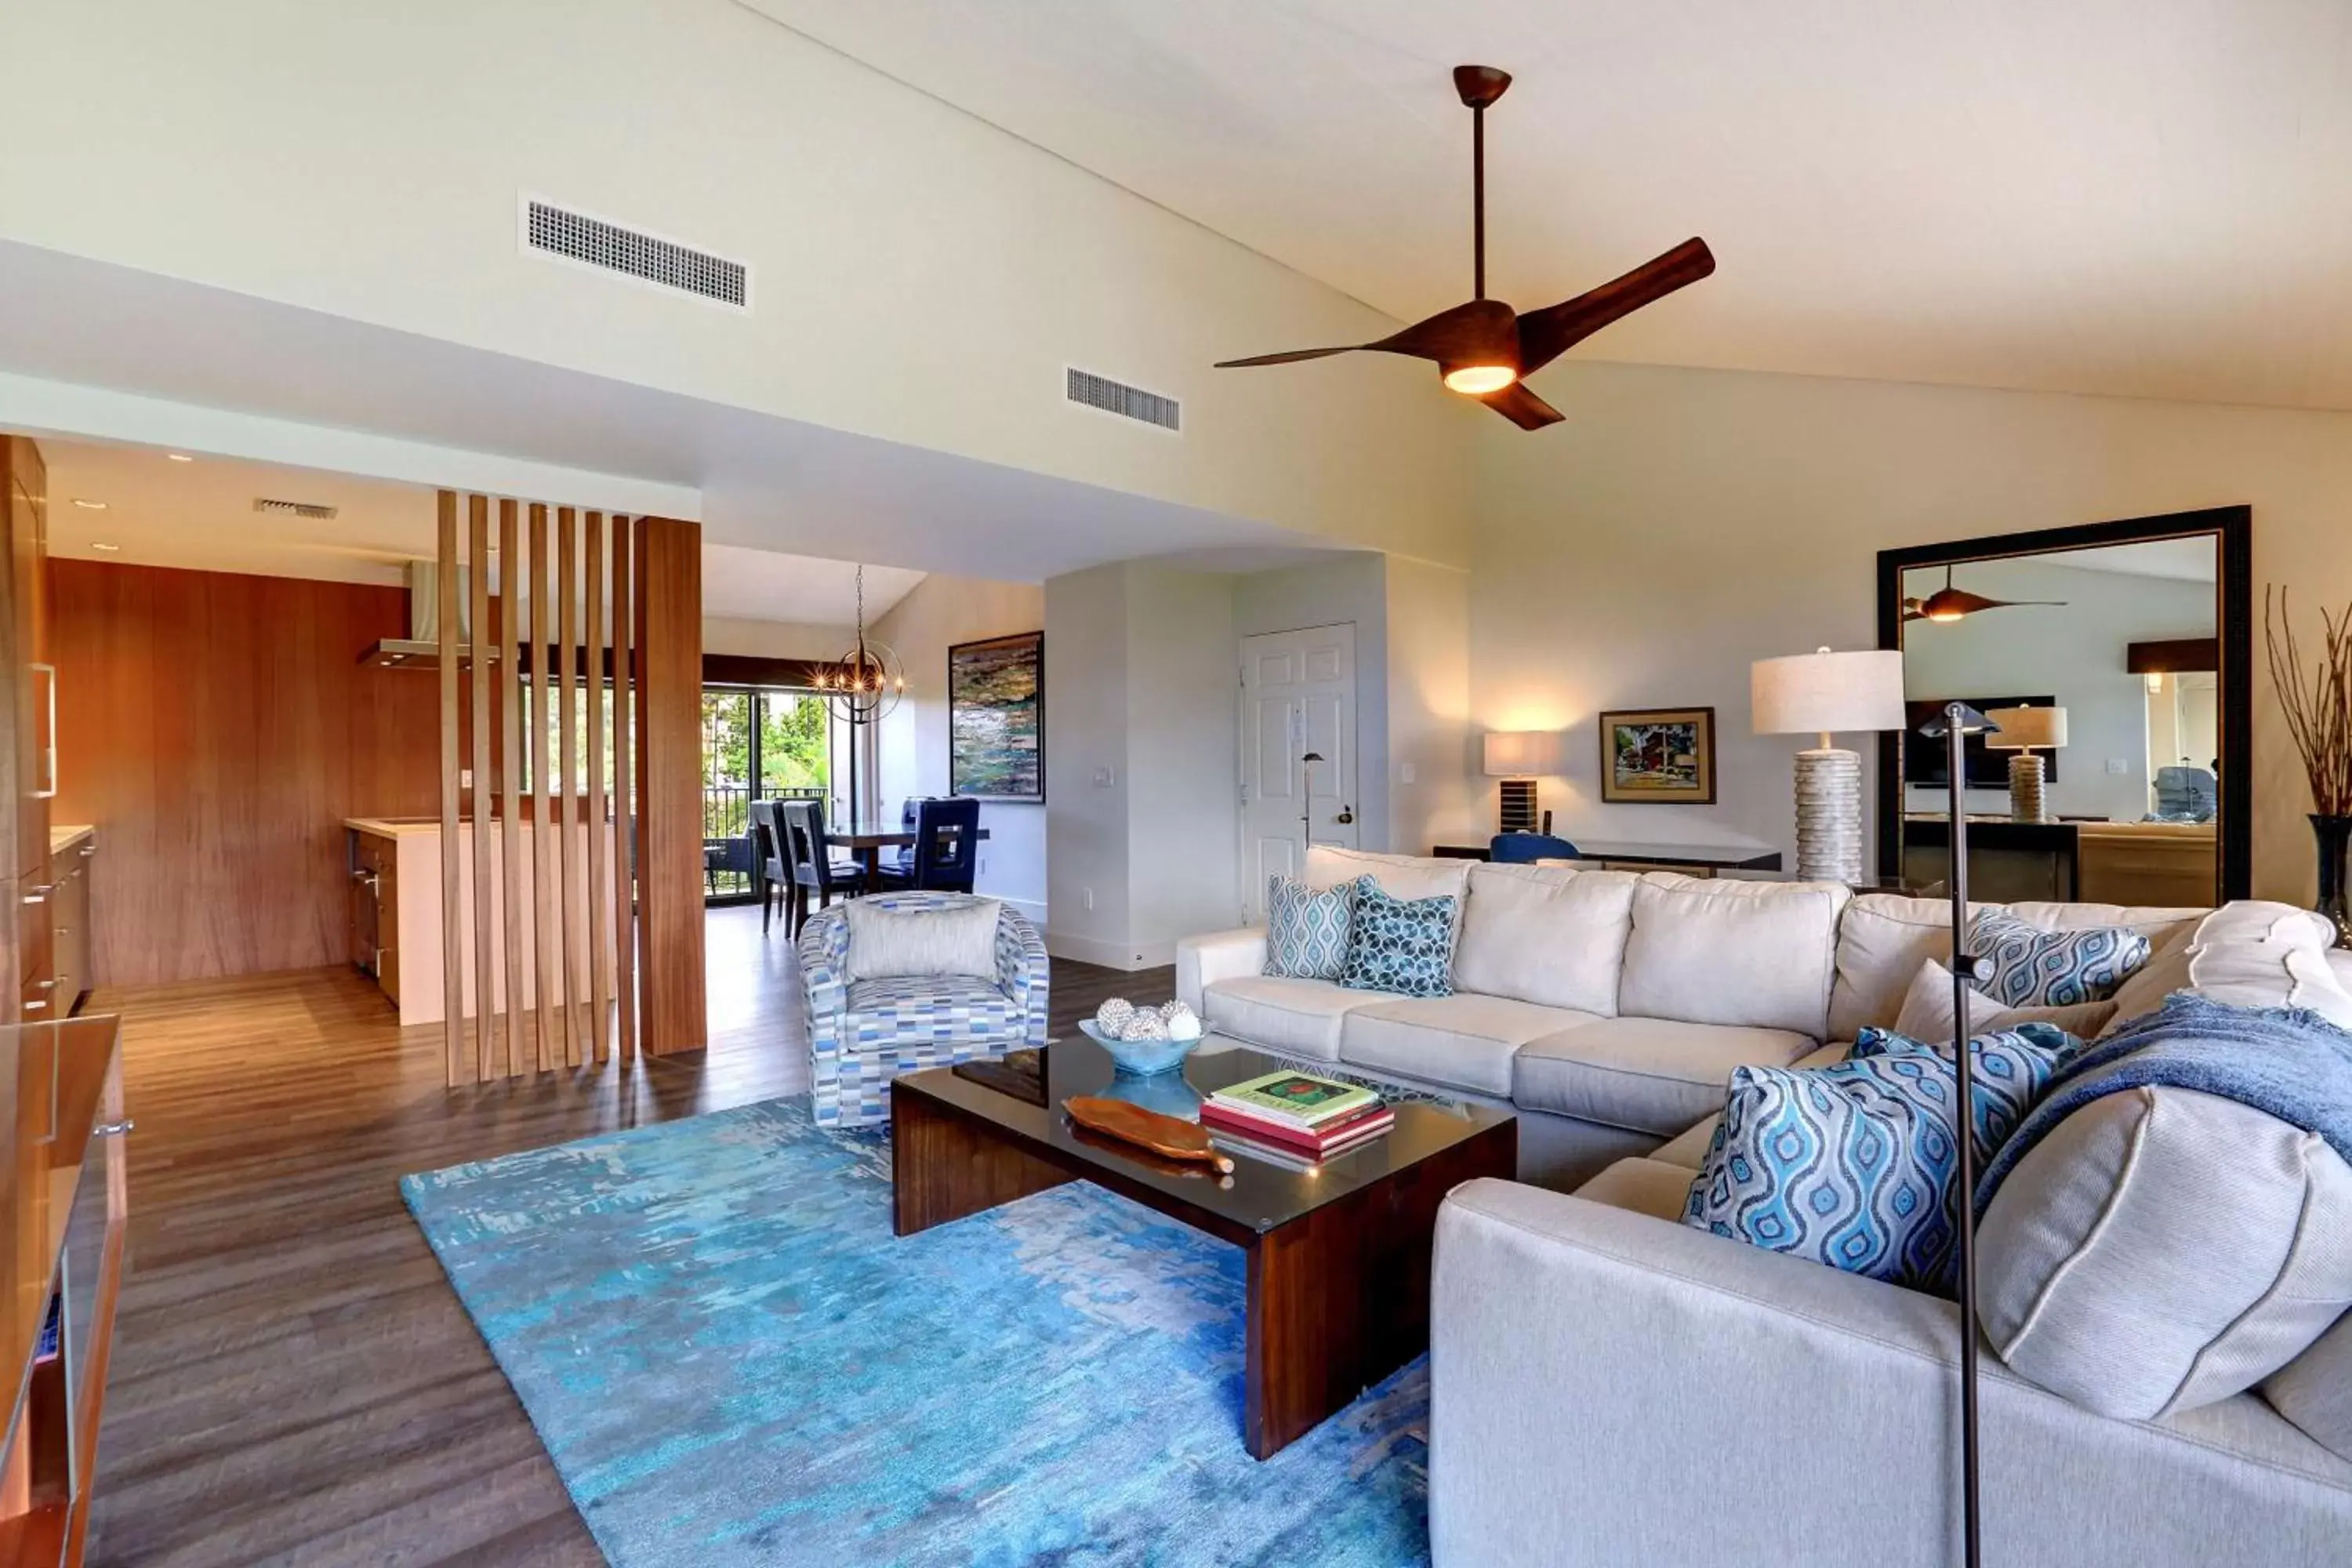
(756, 745)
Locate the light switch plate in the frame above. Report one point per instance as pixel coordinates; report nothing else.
(1404, 775)
(2118, 765)
(1104, 778)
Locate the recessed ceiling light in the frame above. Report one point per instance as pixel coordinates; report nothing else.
(109, 549)
(90, 505)
(179, 456)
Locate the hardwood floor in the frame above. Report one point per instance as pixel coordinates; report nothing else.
(293, 1380)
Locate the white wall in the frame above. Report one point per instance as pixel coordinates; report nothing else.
(1429, 709)
(917, 275)
(911, 743)
(774, 639)
(2078, 654)
(1143, 815)
(1682, 523)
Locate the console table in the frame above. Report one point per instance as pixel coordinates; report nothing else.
(1707, 859)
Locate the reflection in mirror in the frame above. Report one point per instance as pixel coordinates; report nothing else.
(2102, 664)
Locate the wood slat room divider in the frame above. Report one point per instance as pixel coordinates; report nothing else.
(541, 739)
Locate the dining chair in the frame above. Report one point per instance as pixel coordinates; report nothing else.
(813, 870)
(772, 873)
(1518, 848)
(947, 848)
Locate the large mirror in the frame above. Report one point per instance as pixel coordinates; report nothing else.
(2115, 657)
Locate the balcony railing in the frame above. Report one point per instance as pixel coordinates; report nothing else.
(727, 853)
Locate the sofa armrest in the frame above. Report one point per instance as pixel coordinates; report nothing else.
(1611, 1387)
(1022, 970)
(1202, 961)
(824, 948)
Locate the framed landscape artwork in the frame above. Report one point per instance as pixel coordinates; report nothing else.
(1663, 756)
(996, 717)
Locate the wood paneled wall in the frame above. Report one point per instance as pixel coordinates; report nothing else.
(217, 729)
(669, 768)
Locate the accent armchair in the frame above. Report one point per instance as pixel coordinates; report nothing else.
(864, 1033)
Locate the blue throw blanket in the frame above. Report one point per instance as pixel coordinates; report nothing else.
(2287, 1062)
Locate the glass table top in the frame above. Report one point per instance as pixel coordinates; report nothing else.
(1259, 1195)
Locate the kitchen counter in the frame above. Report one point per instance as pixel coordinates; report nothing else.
(396, 909)
(64, 839)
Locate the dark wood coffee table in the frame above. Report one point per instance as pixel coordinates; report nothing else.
(1338, 1257)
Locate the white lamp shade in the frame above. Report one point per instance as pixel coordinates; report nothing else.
(1825, 692)
(2022, 728)
(1525, 754)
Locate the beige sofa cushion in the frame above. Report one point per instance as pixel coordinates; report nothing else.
(2251, 953)
(1399, 876)
(1301, 1016)
(1649, 1075)
(1463, 1041)
(1547, 934)
(1758, 954)
(1883, 938)
(1649, 1186)
(2314, 1390)
(2161, 1250)
(1928, 1011)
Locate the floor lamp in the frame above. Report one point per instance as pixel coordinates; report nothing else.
(1821, 693)
(1951, 726)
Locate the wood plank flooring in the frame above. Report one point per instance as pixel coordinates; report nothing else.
(293, 1380)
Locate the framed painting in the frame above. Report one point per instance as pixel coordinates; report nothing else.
(996, 717)
(1660, 756)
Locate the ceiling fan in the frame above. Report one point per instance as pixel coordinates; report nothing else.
(1949, 603)
(1483, 349)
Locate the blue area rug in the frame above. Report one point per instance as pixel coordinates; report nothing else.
(731, 1360)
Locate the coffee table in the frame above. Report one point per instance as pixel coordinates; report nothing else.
(1338, 1255)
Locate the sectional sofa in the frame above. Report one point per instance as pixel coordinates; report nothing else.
(1610, 1385)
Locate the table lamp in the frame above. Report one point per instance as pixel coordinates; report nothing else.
(1519, 757)
(2021, 730)
(1821, 693)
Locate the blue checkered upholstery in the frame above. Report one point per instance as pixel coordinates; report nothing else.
(865, 1033)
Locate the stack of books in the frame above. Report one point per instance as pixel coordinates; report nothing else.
(1294, 1119)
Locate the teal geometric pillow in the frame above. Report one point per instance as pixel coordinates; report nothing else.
(1403, 945)
(1306, 932)
(1857, 1165)
(2037, 968)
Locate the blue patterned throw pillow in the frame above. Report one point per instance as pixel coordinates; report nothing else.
(1857, 1165)
(1404, 945)
(2036, 968)
(1306, 932)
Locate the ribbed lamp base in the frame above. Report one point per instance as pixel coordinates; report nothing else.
(2025, 800)
(1829, 816)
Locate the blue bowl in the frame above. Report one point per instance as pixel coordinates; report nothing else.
(1142, 1057)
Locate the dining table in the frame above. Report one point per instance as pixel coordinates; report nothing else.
(868, 840)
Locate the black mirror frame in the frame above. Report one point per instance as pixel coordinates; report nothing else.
(2233, 530)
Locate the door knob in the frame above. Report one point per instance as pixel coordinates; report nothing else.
(1346, 814)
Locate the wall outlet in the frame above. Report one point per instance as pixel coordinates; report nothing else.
(2118, 765)
(1404, 775)
(465, 780)
(1090, 897)
(1104, 778)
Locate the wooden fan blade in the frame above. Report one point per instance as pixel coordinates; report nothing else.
(1546, 334)
(1292, 357)
(1480, 331)
(1951, 603)
(1522, 408)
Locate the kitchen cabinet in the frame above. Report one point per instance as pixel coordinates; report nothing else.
(72, 852)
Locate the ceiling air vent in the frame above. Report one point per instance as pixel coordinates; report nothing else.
(1092, 391)
(552, 231)
(310, 509)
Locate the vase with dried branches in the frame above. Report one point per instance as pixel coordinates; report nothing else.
(2316, 696)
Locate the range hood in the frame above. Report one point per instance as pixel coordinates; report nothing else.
(421, 648)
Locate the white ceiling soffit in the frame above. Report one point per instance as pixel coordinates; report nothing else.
(2138, 198)
(199, 516)
(766, 483)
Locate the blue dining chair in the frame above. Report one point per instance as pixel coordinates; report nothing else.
(1519, 848)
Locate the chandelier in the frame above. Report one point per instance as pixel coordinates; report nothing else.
(865, 682)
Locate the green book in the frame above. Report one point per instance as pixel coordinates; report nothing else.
(1300, 1098)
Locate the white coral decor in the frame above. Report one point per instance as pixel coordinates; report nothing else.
(1182, 1023)
(1145, 1026)
(1113, 1015)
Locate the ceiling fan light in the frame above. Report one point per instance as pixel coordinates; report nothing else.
(1478, 380)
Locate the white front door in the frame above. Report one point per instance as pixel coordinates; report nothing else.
(1298, 696)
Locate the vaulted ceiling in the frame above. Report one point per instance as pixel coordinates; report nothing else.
(2138, 198)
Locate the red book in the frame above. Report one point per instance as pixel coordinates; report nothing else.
(1349, 1130)
(1291, 1154)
